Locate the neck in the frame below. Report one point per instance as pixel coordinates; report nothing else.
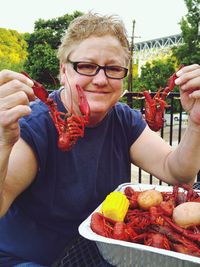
(95, 119)
(69, 103)
(66, 98)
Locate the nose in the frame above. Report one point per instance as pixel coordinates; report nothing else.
(100, 78)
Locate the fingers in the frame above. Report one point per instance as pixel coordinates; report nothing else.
(13, 107)
(189, 78)
(12, 82)
(195, 94)
(11, 116)
(15, 95)
(187, 69)
(7, 75)
(15, 90)
(10, 101)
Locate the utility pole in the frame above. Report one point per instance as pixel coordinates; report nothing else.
(130, 77)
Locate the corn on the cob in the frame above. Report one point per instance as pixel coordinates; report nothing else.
(115, 206)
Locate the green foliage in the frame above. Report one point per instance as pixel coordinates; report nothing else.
(42, 63)
(189, 51)
(12, 49)
(156, 74)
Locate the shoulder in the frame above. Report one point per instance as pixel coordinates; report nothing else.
(131, 120)
(122, 107)
(127, 113)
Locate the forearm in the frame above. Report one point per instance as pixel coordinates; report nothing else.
(4, 159)
(184, 162)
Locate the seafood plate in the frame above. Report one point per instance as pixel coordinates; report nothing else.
(126, 254)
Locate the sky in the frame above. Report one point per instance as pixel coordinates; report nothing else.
(153, 18)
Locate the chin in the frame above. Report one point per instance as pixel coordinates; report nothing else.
(97, 107)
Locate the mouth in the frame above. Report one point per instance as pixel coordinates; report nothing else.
(97, 92)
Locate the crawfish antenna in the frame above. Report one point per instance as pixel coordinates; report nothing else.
(54, 81)
(70, 88)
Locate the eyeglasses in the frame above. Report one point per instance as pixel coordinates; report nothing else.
(91, 69)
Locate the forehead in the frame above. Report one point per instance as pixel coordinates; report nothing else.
(99, 48)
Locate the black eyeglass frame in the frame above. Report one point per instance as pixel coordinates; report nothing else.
(75, 67)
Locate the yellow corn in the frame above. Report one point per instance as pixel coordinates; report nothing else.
(115, 206)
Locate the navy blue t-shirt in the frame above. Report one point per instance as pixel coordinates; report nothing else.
(69, 185)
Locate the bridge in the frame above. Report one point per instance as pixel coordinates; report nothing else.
(150, 49)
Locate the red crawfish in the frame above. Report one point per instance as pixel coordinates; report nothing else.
(155, 107)
(70, 126)
(107, 227)
(154, 227)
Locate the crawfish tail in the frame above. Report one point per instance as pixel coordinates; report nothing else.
(101, 225)
(120, 231)
(171, 84)
(38, 89)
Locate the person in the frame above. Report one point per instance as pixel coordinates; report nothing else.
(45, 192)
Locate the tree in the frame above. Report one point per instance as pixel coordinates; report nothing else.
(42, 63)
(189, 52)
(155, 74)
(13, 49)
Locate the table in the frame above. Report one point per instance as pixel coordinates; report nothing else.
(196, 185)
(82, 253)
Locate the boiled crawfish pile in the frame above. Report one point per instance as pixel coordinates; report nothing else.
(155, 107)
(70, 126)
(153, 227)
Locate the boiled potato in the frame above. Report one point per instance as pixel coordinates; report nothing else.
(187, 214)
(149, 198)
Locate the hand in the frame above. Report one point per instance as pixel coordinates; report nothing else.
(15, 94)
(189, 83)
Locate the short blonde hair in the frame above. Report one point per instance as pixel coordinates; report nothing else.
(93, 24)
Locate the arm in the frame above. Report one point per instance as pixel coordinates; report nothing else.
(18, 167)
(155, 156)
(15, 93)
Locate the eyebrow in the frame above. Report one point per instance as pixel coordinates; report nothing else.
(111, 62)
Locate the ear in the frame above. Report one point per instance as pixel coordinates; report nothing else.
(62, 73)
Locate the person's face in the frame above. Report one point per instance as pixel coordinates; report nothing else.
(101, 92)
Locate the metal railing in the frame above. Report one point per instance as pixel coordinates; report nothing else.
(175, 122)
(172, 130)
